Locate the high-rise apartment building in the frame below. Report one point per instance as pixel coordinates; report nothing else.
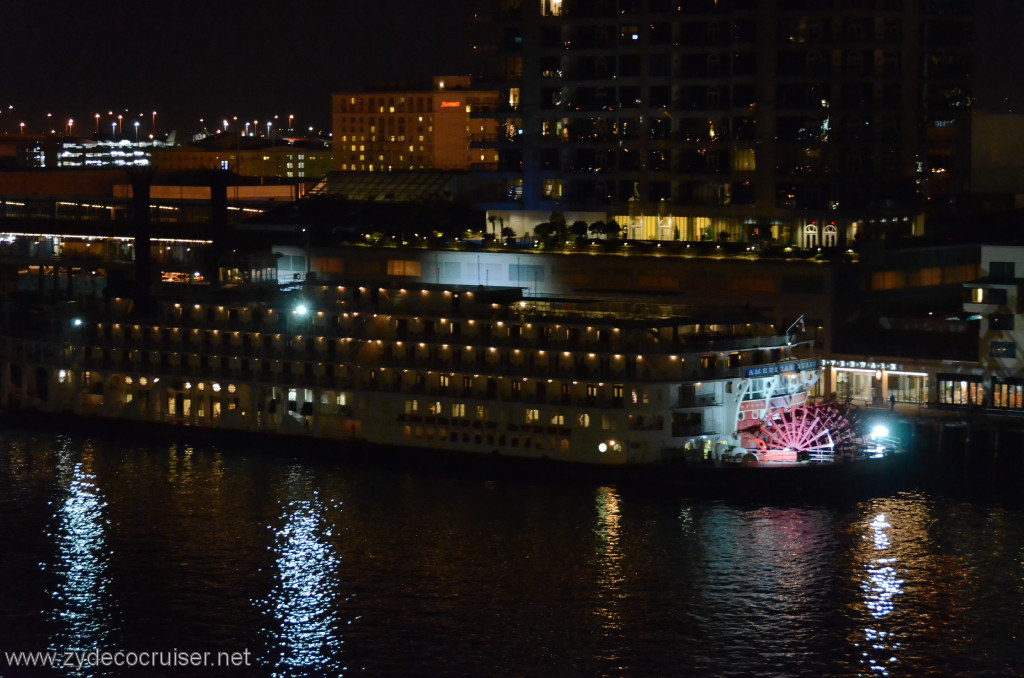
(809, 121)
(407, 129)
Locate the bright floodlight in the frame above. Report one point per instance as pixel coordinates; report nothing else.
(77, 322)
(301, 309)
(879, 431)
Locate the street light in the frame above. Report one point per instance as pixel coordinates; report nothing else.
(269, 123)
(97, 116)
(136, 130)
(71, 125)
(120, 123)
(113, 129)
(154, 122)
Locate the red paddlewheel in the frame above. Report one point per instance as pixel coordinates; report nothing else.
(812, 429)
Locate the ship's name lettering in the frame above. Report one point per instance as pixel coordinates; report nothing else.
(780, 368)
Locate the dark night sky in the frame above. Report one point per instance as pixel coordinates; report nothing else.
(190, 59)
(254, 59)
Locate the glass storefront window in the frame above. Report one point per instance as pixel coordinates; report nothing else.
(960, 390)
(908, 388)
(1008, 394)
(853, 386)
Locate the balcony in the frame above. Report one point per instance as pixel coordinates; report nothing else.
(981, 298)
(690, 400)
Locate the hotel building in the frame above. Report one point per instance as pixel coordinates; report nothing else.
(408, 129)
(736, 120)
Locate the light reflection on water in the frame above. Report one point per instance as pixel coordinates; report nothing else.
(306, 630)
(82, 610)
(763, 584)
(608, 562)
(907, 584)
(881, 586)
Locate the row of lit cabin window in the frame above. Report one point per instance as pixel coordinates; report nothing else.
(442, 384)
(228, 340)
(375, 354)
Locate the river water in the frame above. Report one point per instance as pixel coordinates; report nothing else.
(317, 567)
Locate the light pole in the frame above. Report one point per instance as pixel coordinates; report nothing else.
(120, 124)
(290, 118)
(21, 127)
(71, 126)
(97, 116)
(154, 122)
(269, 123)
(113, 129)
(136, 130)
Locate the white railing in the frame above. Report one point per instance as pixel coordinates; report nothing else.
(822, 456)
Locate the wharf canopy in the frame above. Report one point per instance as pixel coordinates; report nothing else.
(473, 369)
